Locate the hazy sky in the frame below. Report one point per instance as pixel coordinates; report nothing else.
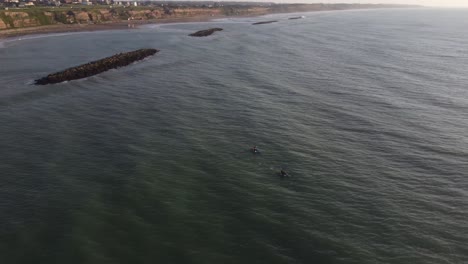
(459, 3)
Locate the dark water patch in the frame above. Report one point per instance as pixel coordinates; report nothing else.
(151, 163)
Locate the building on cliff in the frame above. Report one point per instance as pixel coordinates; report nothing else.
(127, 3)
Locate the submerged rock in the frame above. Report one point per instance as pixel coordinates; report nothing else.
(96, 67)
(265, 22)
(206, 32)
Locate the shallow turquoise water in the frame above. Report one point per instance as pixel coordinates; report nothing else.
(367, 110)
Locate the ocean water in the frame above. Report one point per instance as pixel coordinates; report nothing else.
(366, 110)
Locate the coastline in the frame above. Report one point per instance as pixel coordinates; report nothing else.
(6, 34)
(120, 25)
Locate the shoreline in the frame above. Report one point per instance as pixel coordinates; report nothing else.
(8, 34)
(11, 34)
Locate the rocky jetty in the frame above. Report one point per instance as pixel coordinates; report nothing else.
(96, 67)
(206, 32)
(299, 17)
(265, 22)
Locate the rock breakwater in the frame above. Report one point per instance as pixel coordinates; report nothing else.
(265, 22)
(206, 32)
(96, 67)
(299, 17)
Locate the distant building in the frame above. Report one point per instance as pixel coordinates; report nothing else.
(126, 3)
(104, 2)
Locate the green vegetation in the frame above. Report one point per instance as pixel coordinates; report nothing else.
(40, 17)
(34, 14)
(7, 19)
(228, 11)
(121, 13)
(60, 17)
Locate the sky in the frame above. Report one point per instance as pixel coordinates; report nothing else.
(446, 3)
(438, 3)
(435, 3)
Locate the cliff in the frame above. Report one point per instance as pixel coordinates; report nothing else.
(37, 17)
(34, 17)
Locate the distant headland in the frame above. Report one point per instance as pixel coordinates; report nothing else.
(41, 16)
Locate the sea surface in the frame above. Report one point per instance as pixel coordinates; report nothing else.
(366, 110)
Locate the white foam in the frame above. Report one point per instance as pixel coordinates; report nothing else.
(4, 43)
